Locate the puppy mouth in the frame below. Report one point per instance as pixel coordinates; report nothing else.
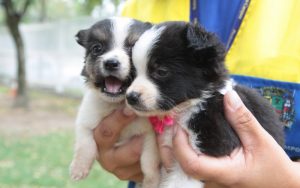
(112, 86)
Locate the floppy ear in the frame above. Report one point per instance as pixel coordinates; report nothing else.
(204, 46)
(81, 37)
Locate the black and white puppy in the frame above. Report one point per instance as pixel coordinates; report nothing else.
(109, 71)
(181, 73)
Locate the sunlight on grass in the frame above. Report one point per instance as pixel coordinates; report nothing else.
(43, 161)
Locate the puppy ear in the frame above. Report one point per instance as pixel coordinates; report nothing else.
(205, 46)
(81, 37)
(206, 52)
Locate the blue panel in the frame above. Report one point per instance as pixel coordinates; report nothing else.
(287, 97)
(218, 16)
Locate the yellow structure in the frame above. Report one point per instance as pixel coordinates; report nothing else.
(267, 44)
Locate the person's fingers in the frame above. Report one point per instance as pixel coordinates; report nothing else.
(242, 120)
(129, 173)
(204, 167)
(129, 153)
(108, 131)
(166, 153)
(122, 156)
(193, 164)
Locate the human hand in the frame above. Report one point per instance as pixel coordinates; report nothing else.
(123, 161)
(260, 162)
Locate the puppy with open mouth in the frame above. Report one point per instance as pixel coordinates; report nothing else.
(109, 72)
(181, 76)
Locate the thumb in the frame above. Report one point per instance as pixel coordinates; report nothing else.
(242, 120)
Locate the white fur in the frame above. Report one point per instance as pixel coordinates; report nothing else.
(229, 84)
(147, 89)
(120, 28)
(95, 106)
(121, 55)
(176, 178)
(142, 84)
(142, 47)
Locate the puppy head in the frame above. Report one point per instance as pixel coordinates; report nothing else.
(175, 62)
(108, 67)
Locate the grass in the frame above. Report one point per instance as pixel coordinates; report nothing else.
(3, 89)
(50, 102)
(43, 161)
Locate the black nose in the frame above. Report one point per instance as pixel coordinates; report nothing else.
(133, 98)
(111, 64)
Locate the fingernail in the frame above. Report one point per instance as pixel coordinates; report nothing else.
(234, 100)
(128, 112)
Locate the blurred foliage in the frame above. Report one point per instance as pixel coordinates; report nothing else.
(88, 5)
(1, 16)
(49, 10)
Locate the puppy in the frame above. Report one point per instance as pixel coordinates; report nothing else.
(109, 71)
(181, 74)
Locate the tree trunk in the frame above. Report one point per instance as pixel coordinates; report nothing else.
(13, 20)
(22, 98)
(43, 11)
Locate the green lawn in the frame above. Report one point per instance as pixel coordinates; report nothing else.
(43, 161)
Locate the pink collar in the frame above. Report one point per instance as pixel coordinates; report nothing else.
(159, 124)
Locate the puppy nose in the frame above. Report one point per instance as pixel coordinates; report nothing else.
(133, 98)
(111, 64)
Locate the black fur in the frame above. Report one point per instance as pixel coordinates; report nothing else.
(187, 62)
(191, 58)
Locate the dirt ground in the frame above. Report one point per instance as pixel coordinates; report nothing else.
(47, 113)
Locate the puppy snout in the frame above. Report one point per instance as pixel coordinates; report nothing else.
(111, 65)
(133, 98)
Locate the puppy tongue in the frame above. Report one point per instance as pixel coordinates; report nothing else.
(112, 84)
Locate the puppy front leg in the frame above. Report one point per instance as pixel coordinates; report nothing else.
(175, 177)
(89, 115)
(150, 162)
(85, 154)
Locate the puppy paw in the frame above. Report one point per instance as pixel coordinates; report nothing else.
(79, 171)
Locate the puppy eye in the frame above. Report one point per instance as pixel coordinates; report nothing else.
(97, 49)
(161, 72)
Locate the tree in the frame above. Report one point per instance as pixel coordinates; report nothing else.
(43, 11)
(13, 18)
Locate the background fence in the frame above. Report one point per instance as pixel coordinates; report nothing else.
(53, 58)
